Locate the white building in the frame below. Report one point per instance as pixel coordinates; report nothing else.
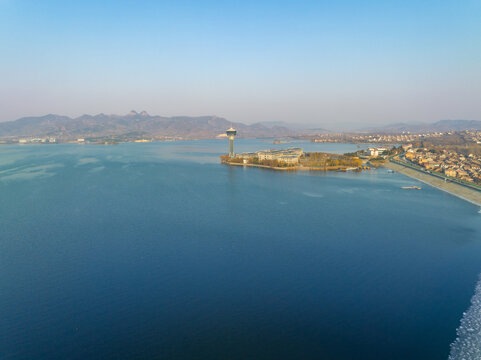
(377, 151)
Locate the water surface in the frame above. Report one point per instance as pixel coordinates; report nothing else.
(158, 251)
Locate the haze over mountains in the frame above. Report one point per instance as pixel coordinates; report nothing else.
(133, 124)
(138, 125)
(438, 126)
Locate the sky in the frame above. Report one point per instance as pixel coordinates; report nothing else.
(332, 64)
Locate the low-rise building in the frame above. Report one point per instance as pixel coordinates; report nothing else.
(289, 156)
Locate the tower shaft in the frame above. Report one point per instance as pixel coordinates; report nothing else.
(231, 146)
(231, 133)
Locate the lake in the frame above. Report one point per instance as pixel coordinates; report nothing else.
(157, 250)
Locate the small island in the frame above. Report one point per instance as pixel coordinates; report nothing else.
(297, 159)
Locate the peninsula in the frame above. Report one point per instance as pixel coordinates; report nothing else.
(297, 159)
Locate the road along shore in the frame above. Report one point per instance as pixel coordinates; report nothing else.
(463, 192)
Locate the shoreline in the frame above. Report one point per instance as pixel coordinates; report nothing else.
(262, 166)
(462, 192)
(291, 168)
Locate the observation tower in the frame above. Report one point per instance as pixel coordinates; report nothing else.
(231, 133)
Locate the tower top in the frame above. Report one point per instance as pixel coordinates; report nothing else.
(231, 131)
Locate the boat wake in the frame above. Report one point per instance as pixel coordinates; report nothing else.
(467, 345)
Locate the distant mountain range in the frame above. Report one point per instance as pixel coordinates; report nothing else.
(439, 126)
(135, 125)
(142, 125)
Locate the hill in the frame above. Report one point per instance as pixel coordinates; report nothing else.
(133, 125)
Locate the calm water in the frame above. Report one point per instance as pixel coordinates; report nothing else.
(158, 251)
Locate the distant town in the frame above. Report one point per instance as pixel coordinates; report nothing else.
(455, 155)
(467, 136)
(101, 140)
(451, 164)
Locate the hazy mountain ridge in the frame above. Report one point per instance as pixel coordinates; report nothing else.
(142, 124)
(133, 123)
(438, 126)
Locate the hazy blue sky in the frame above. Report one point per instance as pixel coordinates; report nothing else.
(329, 63)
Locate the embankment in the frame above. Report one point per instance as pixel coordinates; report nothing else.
(458, 190)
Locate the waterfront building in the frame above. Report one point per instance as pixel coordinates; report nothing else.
(377, 151)
(289, 156)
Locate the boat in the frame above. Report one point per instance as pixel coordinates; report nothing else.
(411, 187)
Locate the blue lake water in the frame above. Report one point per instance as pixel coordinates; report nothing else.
(158, 251)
